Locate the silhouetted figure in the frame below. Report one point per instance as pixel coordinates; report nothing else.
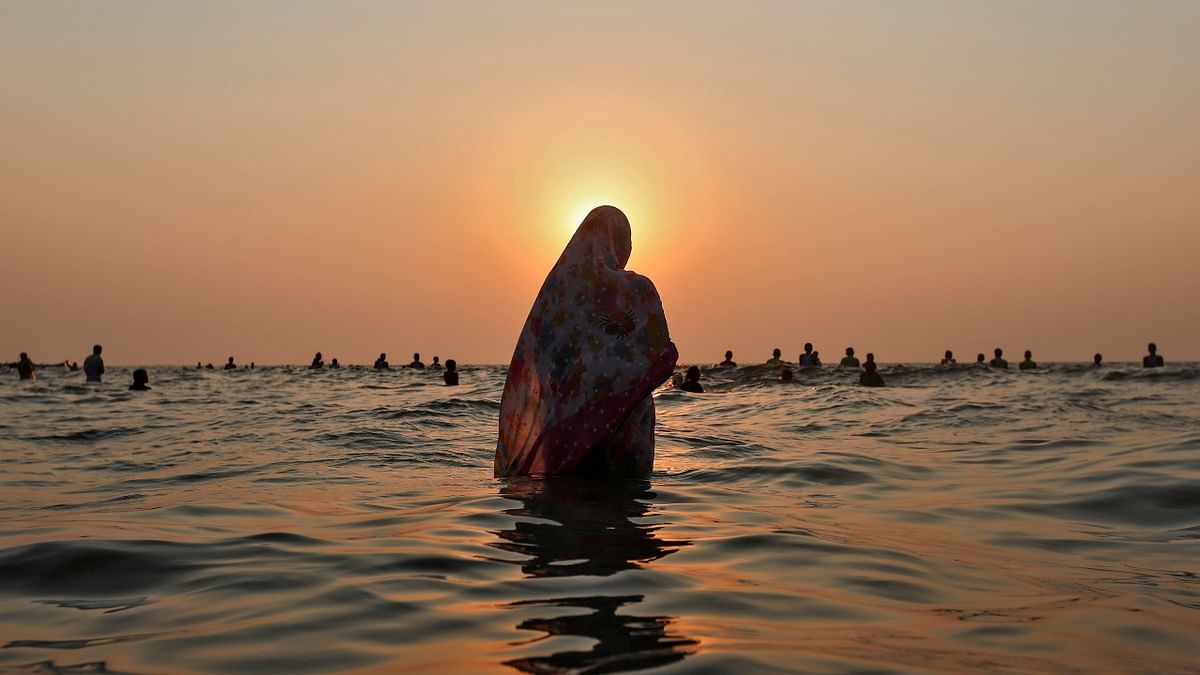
(691, 381)
(141, 380)
(776, 356)
(848, 361)
(435, 363)
(1152, 360)
(1097, 360)
(209, 366)
(25, 368)
(73, 366)
(93, 366)
(451, 375)
(578, 398)
(979, 361)
(333, 364)
(785, 375)
(870, 377)
(948, 359)
(808, 358)
(416, 362)
(381, 363)
(728, 359)
(317, 362)
(1028, 363)
(199, 366)
(251, 365)
(230, 365)
(999, 361)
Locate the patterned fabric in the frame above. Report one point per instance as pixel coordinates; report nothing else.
(595, 345)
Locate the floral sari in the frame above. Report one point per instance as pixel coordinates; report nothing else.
(577, 398)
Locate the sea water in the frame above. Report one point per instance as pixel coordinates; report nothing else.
(287, 520)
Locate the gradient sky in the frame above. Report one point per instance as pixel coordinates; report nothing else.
(181, 182)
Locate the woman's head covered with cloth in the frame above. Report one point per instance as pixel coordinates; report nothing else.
(595, 345)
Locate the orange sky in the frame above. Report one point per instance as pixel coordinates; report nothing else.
(184, 182)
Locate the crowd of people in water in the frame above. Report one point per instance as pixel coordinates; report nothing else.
(93, 366)
(869, 371)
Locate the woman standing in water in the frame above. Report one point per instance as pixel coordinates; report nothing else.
(577, 398)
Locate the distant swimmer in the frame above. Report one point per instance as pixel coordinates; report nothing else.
(333, 364)
(1152, 360)
(999, 361)
(451, 375)
(1097, 360)
(381, 363)
(317, 363)
(870, 377)
(808, 358)
(25, 368)
(948, 359)
(1028, 363)
(979, 361)
(230, 365)
(691, 381)
(849, 361)
(416, 362)
(728, 359)
(251, 365)
(436, 363)
(785, 375)
(73, 366)
(93, 366)
(199, 366)
(208, 366)
(776, 356)
(141, 380)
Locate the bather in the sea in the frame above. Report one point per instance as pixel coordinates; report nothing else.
(595, 345)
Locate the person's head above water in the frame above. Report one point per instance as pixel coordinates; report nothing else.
(1098, 358)
(728, 355)
(317, 356)
(777, 352)
(24, 356)
(1028, 354)
(1152, 347)
(436, 360)
(871, 357)
(869, 366)
(96, 349)
(998, 352)
(140, 379)
(451, 365)
(382, 355)
(849, 351)
(807, 347)
(949, 354)
(979, 358)
(693, 374)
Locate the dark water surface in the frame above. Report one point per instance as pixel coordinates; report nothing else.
(291, 521)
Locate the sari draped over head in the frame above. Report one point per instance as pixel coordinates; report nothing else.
(577, 398)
